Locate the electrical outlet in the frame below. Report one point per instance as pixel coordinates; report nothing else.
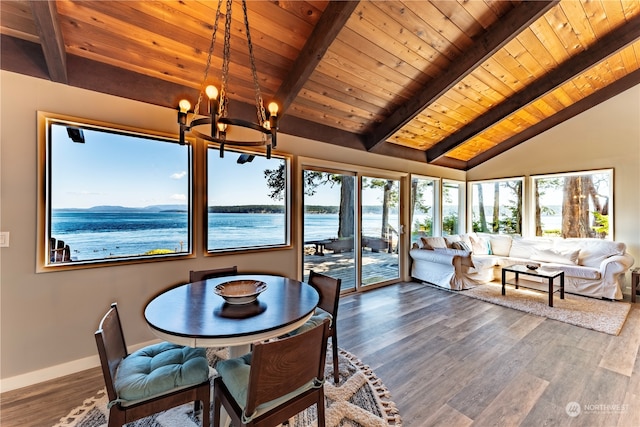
(4, 239)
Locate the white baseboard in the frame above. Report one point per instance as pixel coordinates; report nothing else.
(57, 371)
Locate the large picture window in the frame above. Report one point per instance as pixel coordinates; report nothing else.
(247, 200)
(423, 207)
(578, 204)
(112, 194)
(496, 206)
(453, 196)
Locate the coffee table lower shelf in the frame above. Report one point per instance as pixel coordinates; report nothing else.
(550, 275)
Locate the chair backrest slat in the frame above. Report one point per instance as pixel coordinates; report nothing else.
(111, 347)
(196, 276)
(329, 290)
(282, 366)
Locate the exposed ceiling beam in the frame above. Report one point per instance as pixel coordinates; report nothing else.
(333, 18)
(605, 47)
(45, 16)
(507, 28)
(615, 88)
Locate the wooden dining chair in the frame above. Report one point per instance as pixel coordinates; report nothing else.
(153, 379)
(196, 276)
(274, 382)
(329, 290)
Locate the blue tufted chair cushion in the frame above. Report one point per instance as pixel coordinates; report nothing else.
(158, 369)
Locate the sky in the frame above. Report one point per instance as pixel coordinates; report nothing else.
(121, 170)
(112, 169)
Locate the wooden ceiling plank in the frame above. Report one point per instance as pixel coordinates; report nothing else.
(575, 66)
(419, 60)
(16, 18)
(496, 37)
(310, 111)
(45, 17)
(614, 89)
(434, 18)
(330, 104)
(413, 25)
(566, 35)
(326, 30)
(369, 69)
(578, 21)
(481, 12)
(379, 22)
(344, 97)
(349, 89)
(366, 86)
(362, 44)
(460, 17)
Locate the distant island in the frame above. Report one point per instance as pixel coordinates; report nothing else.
(254, 209)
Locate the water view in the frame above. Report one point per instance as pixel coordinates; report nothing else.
(97, 235)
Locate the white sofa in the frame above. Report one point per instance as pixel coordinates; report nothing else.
(592, 267)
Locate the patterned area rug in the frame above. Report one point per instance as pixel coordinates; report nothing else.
(591, 313)
(359, 400)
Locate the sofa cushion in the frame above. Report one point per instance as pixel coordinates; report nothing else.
(555, 255)
(575, 271)
(592, 251)
(500, 244)
(480, 245)
(523, 248)
(433, 242)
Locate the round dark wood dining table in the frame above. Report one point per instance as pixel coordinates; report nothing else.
(194, 315)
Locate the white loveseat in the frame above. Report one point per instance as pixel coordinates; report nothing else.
(592, 267)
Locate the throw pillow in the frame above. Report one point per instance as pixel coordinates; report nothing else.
(480, 245)
(451, 251)
(555, 256)
(433, 242)
(461, 245)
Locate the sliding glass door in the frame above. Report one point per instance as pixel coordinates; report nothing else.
(329, 225)
(380, 230)
(351, 227)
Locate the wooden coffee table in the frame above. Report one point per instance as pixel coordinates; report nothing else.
(550, 275)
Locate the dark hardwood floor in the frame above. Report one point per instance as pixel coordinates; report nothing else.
(448, 360)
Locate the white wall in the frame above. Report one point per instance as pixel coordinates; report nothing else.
(47, 320)
(606, 136)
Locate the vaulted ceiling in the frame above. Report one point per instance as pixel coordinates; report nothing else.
(450, 83)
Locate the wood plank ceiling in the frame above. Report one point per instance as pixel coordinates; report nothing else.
(451, 83)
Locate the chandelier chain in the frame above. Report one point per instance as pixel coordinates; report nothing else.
(196, 110)
(262, 116)
(225, 61)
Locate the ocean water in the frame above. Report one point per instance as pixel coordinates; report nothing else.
(99, 235)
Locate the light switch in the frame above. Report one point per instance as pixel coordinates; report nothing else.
(4, 239)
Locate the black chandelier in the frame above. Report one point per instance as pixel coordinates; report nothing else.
(217, 120)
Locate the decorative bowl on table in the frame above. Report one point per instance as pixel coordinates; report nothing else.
(240, 291)
(533, 266)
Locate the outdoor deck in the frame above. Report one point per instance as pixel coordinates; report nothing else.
(376, 266)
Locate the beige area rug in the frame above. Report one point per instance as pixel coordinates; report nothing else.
(359, 400)
(591, 313)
